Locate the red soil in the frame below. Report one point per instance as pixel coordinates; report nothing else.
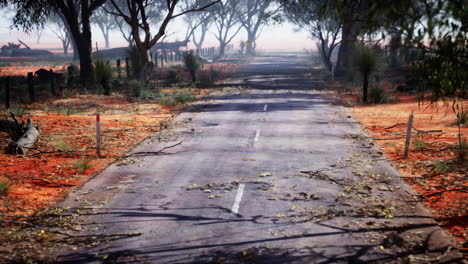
(426, 150)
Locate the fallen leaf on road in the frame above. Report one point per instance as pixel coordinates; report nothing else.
(280, 215)
(207, 191)
(273, 198)
(211, 197)
(265, 174)
(253, 159)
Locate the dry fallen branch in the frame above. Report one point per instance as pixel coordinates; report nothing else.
(152, 153)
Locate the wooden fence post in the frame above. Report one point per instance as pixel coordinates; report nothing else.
(32, 94)
(52, 83)
(127, 67)
(162, 60)
(98, 135)
(408, 135)
(7, 92)
(156, 60)
(119, 74)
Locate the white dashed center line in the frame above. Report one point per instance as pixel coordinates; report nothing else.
(265, 108)
(240, 192)
(257, 135)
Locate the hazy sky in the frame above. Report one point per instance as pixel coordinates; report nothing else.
(274, 37)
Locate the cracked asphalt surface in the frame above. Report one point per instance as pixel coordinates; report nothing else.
(274, 172)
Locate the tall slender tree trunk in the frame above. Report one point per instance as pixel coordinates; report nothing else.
(365, 85)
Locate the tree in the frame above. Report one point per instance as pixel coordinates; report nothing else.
(227, 23)
(197, 22)
(326, 29)
(61, 32)
(77, 14)
(253, 14)
(136, 16)
(105, 22)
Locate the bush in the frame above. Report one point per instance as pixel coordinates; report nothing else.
(176, 98)
(136, 88)
(377, 95)
(419, 144)
(205, 79)
(185, 97)
(173, 77)
(191, 64)
(104, 74)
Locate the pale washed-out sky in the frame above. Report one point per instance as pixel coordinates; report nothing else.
(273, 37)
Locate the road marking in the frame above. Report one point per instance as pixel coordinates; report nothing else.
(240, 192)
(257, 135)
(265, 108)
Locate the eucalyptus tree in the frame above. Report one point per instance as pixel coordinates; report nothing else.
(326, 29)
(226, 22)
(106, 24)
(253, 15)
(61, 32)
(77, 14)
(136, 16)
(198, 24)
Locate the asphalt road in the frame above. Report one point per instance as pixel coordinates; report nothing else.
(274, 172)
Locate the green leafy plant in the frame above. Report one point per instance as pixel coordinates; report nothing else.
(174, 77)
(104, 74)
(191, 64)
(166, 99)
(81, 165)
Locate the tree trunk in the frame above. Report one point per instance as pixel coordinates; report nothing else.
(365, 84)
(251, 39)
(87, 78)
(351, 28)
(147, 64)
(222, 48)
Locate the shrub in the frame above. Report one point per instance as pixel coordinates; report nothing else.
(176, 98)
(136, 87)
(191, 64)
(4, 188)
(173, 77)
(205, 79)
(104, 74)
(166, 99)
(378, 95)
(185, 97)
(81, 165)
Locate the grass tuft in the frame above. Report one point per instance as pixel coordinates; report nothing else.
(81, 165)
